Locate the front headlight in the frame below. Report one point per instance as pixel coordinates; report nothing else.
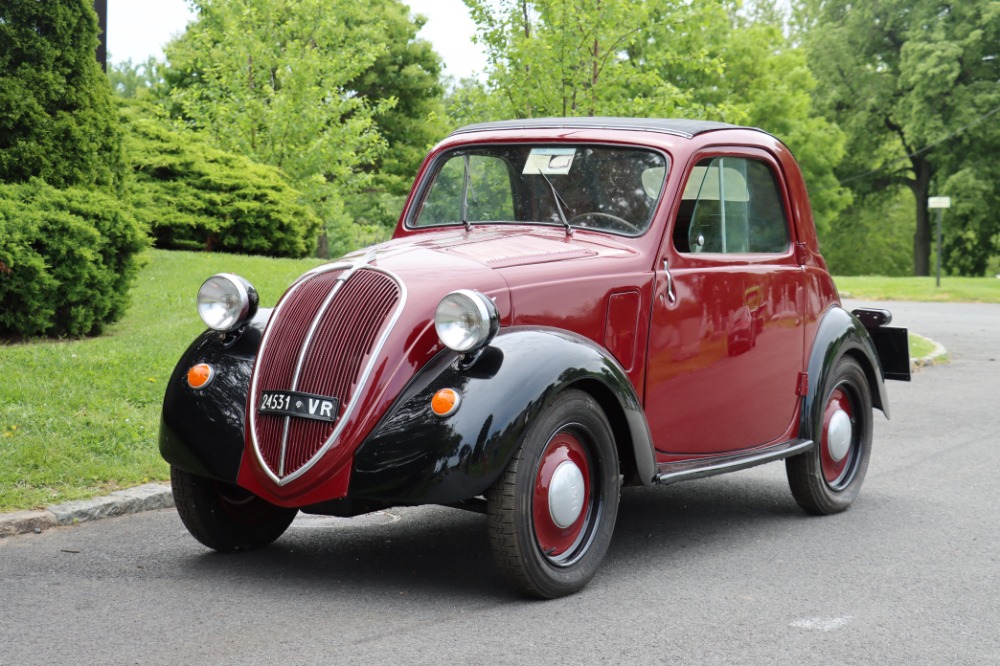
(226, 302)
(466, 320)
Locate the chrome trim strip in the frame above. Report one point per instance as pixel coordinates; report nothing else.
(697, 469)
(280, 479)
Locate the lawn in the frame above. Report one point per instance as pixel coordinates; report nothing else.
(80, 417)
(952, 289)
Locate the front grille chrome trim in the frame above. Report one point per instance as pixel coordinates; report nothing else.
(280, 479)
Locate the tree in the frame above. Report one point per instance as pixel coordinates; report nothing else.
(577, 57)
(912, 83)
(57, 117)
(715, 60)
(270, 79)
(132, 81)
(409, 72)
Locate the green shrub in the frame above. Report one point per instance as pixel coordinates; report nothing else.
(195, 196)
(57, 116)
(67, 260)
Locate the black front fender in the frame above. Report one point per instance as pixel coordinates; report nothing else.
(201, 430)
(415, 457)
(839, 333)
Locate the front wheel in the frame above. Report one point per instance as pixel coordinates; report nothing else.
(552, 512)
(225, 517)
(828, 478)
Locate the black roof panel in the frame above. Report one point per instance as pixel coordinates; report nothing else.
(678, 126)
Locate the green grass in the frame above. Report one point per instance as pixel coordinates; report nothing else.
(80, 417)
(920, 346)
(952, 289)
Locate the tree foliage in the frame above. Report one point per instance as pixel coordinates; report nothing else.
(57, 118)
(195, 196)
(408, 72)
(717, 60)
(268, 79)
(913, 83)
(67, 259)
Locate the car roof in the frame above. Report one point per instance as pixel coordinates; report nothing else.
(683, 127)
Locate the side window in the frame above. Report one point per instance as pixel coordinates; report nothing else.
(731, 205)
(487, 198)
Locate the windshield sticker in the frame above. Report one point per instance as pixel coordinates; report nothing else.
(549, 161)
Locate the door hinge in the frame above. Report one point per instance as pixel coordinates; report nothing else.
(801, 254)
(802, 389)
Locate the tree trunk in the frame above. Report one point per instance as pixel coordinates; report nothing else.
(920, 186)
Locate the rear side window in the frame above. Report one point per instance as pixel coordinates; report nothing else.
(731, 205)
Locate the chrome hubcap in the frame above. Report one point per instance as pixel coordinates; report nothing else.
(566, 494)
(839, 435)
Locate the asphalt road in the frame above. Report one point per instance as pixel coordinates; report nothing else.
(720, 571)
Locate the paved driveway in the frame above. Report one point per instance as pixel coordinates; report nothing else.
(718, 571)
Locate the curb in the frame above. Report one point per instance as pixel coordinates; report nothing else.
(932, 358)
(147, 497)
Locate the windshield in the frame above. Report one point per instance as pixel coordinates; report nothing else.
(607, 188)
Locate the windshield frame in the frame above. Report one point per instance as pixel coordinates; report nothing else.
(430, 174)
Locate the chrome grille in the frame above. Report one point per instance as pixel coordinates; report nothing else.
(322, 339)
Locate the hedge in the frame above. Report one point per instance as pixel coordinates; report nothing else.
(194, 196)
(67, 260)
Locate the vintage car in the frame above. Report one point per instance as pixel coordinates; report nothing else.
(566, 306)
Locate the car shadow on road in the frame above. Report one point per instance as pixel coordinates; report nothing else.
(437, 550)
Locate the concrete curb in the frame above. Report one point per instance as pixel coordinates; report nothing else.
(933, 357)
(147, 497)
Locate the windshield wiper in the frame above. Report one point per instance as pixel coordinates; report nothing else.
(559, 203)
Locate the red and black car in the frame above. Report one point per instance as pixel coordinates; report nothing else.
(566, 306)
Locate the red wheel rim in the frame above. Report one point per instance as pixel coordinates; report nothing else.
(836, 460)
(558, 543)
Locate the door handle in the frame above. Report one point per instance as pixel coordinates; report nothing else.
(671, 294)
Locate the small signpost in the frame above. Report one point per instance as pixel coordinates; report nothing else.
(939, 203)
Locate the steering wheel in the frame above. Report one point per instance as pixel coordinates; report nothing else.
(614, 218)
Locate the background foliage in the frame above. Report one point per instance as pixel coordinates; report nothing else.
(913, 84)
(192, 195)
(67, 259)
(57, 118)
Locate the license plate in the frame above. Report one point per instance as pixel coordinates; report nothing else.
(296, 403)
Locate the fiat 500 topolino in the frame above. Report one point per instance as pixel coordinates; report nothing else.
(566, 306)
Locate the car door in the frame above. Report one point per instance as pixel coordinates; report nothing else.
(726, 342)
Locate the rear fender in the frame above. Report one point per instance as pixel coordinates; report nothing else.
(839, 333)
(416, 457)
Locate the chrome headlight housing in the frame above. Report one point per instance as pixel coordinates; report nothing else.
(466, 320)
(226, 302)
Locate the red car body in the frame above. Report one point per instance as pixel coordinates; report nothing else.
(699, 361)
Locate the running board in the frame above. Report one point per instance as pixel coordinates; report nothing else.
(697, 469)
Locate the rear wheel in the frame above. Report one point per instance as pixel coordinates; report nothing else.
(828, 478)
(552, 513)
(226, 517)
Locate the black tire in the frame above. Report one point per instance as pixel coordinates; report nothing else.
(821, 482)
(538, 556)
(225, 517)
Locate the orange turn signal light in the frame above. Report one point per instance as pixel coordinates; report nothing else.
(445, 402)
(200, 375)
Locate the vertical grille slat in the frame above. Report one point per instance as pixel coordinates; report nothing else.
(334, 361)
